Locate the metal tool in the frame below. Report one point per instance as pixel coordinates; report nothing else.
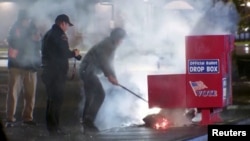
(132, 93)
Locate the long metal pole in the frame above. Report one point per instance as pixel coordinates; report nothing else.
(133, 93)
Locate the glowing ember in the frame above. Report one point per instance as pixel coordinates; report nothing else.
(157, 121)
(161, 123)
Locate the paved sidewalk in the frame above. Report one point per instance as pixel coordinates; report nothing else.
(239, 113)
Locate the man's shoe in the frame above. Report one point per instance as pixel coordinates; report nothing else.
(58, 132)
(89, 128)
(30, 123)
(9, 124)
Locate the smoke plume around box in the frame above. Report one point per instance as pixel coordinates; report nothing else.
(155, 43)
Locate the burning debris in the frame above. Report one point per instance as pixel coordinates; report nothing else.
(157, 121)
(167, 118)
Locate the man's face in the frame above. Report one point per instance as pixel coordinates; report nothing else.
(64, 26)
(118, 42)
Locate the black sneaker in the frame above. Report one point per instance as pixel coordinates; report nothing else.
(58, 132)
(9, 124)
(30, 123)
(90, 127)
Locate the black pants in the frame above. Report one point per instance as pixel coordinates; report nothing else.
(3, 136)
(94, 97)
(54, 83)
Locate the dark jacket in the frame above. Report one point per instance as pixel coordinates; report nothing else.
(99, 59)
(20, 39)
(55, 50)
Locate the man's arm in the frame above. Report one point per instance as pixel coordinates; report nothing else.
(64, 47)
(13, 38)
(106, 57)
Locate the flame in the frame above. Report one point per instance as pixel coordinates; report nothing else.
(161, 123)
(154, 110)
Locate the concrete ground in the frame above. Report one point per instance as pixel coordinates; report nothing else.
(238, 113)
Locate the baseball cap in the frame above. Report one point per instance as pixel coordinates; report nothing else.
(63, 18)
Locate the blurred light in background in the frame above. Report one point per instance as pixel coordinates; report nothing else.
(248, 4)
(6, 6)
(106, 9)
(178, 4)
(8, 11)
(246, 48)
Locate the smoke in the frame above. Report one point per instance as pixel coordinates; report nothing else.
(155, 43)
(5, 7)
(222, 18)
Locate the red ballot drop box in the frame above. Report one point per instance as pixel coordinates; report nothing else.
(207, 84)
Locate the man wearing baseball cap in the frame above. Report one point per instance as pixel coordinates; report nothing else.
(63, 18)
(55, 55)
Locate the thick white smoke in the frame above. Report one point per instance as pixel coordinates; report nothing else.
(155, 43)
(222, 17)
